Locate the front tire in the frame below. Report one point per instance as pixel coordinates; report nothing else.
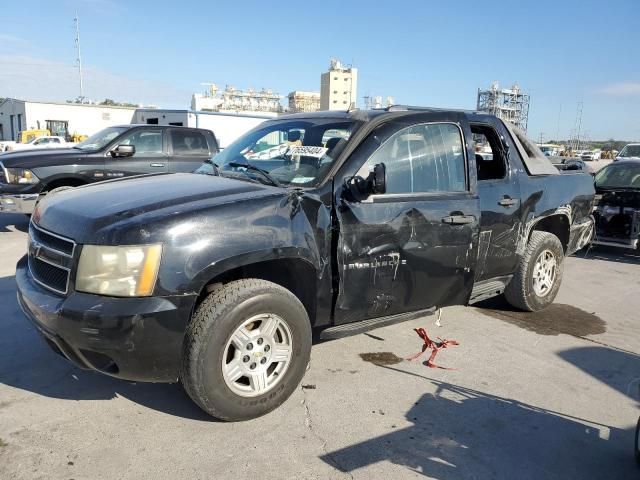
(539, 274)
(246, 349)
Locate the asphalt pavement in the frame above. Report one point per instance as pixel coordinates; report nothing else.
(547, 395)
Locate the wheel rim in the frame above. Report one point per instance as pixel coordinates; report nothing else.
(544, 273)
(257, 355)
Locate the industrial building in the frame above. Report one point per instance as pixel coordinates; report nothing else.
(233, 99)
(338, 87)
(509, 104)
(376, 102)
(61, 119)
(300, 101)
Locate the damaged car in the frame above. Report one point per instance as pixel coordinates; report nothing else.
(617, 212)
(331, 221)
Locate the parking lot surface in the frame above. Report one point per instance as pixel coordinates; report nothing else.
(547, 395)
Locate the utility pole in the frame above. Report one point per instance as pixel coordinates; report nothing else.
(578, 124)
(558, 127)
(79, 56)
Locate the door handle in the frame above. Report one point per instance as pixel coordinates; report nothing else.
(507, 202)
(458, 219)
(156, 164)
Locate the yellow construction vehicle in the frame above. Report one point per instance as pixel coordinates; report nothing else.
(26, 135)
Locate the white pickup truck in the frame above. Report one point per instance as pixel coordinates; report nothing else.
(37, 143)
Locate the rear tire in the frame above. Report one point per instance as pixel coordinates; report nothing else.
(246, 349)
(539, 274)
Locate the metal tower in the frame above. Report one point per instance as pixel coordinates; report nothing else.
(509, 104)
(76, 20)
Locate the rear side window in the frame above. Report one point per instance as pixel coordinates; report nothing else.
(491, 163)
(189, 142)
(423, 158)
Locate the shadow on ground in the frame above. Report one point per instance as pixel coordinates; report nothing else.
(619, 370)
(461, 433)
(27, 363)
(18, 221)
(610, 254)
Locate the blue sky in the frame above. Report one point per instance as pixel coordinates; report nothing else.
(420, 52)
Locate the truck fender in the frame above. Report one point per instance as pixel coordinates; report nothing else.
(556, 221)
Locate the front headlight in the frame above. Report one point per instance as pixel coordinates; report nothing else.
(125, 271)
(22, 176)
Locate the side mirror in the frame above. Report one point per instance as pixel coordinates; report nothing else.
(358, 188)
(378, 179)
(124, 151)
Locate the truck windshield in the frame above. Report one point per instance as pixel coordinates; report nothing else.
(100, 139)
(296, 152)
(619, 175)
(630, 151)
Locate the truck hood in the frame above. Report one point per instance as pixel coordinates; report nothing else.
(43, 157)
(121, 211)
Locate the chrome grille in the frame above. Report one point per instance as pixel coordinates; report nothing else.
(48, 275)
(50, 259)
(53, 242)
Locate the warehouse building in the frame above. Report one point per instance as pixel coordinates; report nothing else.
(62, 119)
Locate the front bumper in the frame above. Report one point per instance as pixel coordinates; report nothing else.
(138, 339)
(20, 203)
(19, 198)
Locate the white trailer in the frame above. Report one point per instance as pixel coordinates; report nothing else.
(226, 126)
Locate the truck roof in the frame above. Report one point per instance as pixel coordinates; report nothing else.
(535, 161)
(136, 125)
(394, 110)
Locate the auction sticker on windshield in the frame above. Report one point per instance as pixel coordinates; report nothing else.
(307, 151)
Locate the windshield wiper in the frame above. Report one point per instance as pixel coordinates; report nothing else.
(253, 168)
(216, 168)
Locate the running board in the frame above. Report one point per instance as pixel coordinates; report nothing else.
(488, 288)
(355, 328)
(631, 244)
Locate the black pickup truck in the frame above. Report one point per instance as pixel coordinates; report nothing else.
(332, 221)
(118, 151)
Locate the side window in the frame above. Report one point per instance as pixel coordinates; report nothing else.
(422, 158)
(189, 142)
(41, 141)
(145, 141)
(54, 140)
(490, 161)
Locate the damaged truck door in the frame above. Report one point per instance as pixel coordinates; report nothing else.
(499, 191)
(414, 246)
